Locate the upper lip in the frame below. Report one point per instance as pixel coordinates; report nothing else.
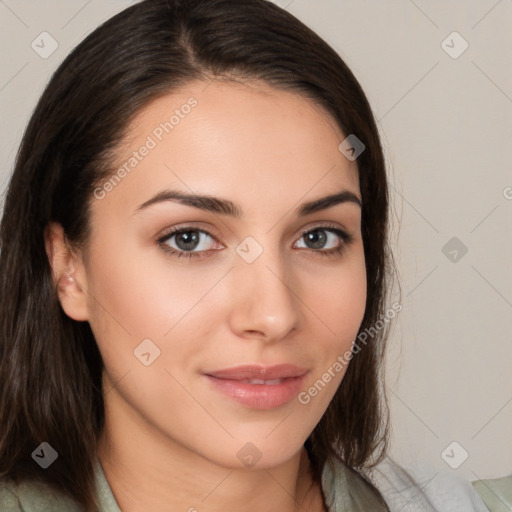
(280, 371)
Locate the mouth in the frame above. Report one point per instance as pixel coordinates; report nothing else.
(259, 387)
(272, 382)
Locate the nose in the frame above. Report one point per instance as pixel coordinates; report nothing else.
(265, 302)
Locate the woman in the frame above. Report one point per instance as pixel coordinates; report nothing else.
(194, 243)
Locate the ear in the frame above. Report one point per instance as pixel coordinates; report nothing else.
(68, 272)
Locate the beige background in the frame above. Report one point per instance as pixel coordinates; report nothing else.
(447, 130)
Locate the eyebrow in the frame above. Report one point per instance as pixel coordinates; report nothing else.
(226, 207)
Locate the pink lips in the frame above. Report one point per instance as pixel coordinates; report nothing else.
(259, 387)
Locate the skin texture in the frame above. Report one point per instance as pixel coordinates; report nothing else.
(171, 440)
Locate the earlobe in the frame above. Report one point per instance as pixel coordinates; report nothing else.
(68, 273)
(64, 282)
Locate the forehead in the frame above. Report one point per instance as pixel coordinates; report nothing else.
(246, 141)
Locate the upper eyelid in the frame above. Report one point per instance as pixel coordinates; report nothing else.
(167, 233)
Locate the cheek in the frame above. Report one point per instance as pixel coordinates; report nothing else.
(138, 289)
(339, 303)
(124, 301)
(341, 300)
(142, 295)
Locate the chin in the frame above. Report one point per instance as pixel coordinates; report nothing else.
(259, 450)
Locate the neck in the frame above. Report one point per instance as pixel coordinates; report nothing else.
(148, 472)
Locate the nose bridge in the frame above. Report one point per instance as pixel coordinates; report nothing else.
(266, 299)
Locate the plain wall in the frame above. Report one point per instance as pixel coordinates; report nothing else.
(447, 131)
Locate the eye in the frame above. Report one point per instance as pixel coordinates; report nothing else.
(188, 242)
(326, 240)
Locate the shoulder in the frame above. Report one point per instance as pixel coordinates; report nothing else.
(496, 493)
(32, 497)
(425, 488)
(9, 501)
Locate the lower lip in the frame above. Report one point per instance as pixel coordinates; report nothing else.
(259, 396)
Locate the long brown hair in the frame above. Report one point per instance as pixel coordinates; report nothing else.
(50, 366)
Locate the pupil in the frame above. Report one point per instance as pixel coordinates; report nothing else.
(317, 238)
(190, 240)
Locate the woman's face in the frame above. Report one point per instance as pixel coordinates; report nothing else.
(194, 328)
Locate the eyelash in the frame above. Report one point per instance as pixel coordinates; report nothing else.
(345, 237)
